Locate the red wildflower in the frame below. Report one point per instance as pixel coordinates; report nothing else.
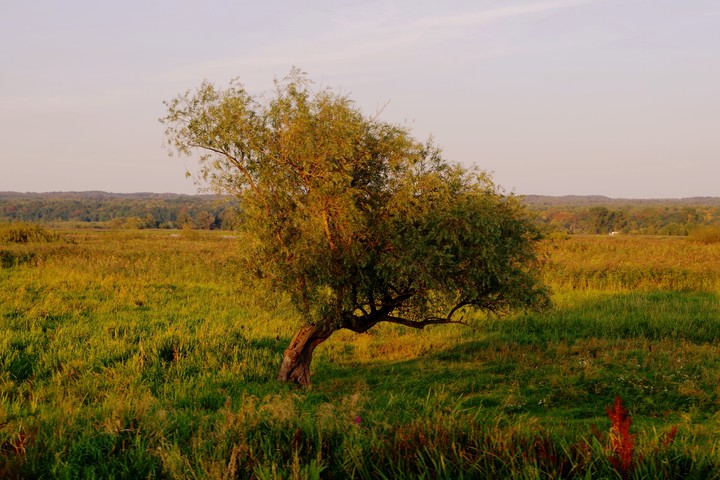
(622, 443)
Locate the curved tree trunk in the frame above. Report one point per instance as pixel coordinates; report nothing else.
(296, 359)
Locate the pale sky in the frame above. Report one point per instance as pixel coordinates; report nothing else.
(555, 97)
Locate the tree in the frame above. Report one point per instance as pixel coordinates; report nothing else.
(204, 220)
(357, 220)
(600, 220)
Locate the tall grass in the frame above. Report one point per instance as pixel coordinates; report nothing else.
(630, 263)
(707, 234)
(149, 354)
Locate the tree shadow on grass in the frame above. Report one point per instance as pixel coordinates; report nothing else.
(568, 363)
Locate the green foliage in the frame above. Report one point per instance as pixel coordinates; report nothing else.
(357, 220)
(12, 258)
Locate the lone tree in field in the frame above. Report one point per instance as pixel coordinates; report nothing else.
(357, 220)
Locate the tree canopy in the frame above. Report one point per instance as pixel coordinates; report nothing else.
(356, 219)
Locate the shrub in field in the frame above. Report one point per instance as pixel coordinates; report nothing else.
(10, 258)
(26, 233)
(358, 221)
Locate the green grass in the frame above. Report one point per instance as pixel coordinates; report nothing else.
(145, 355)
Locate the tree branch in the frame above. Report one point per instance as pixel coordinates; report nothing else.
(397, 301)
(371, 298)
(422, 323)
(239, 166)
(358, 324)
(456, 308)
(355, 301)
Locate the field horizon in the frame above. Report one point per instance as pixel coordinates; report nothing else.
(534, 198)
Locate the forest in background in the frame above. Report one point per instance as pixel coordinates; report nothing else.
(603, 215)
(120, 210)
(570, 214)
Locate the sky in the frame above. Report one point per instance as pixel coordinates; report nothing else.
(553, 97)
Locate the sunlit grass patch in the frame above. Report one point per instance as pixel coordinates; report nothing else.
(632, 264)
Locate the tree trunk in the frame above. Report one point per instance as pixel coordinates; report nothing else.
(296, 359)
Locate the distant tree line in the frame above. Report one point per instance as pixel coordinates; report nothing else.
(142, 210)
(575, 215)
(600, 215)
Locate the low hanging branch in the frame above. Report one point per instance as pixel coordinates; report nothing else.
(420, 324)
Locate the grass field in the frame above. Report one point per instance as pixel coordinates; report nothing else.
(148, 354)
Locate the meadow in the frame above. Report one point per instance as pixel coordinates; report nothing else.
(149, 354)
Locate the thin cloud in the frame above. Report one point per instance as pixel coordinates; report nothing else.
(384, 39)
(488, 16)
